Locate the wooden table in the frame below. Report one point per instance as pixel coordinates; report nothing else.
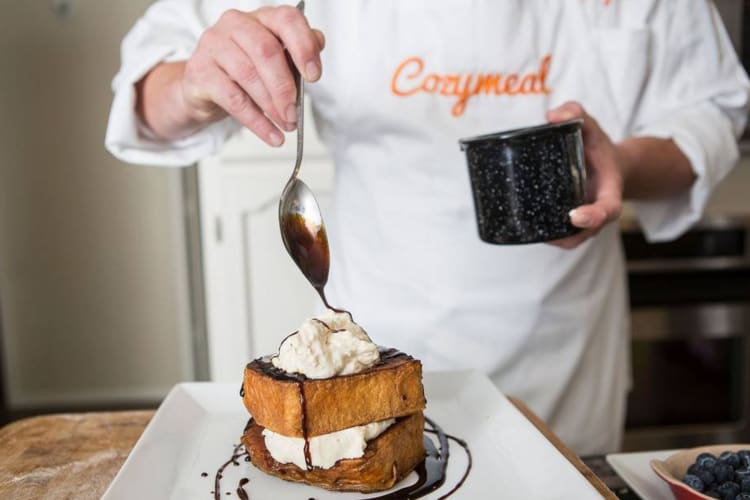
(75, 456)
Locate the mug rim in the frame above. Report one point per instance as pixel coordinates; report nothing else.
(522, 132)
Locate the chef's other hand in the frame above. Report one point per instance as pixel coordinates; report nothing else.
(241, 68)
(604, 177)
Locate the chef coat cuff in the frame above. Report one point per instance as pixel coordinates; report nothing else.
(131, 141)
(706, 137)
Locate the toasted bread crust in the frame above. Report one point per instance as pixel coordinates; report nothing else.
(387, 459)
(390, 389)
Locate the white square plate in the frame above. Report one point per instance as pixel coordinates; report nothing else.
(194, 430)
(635, 469)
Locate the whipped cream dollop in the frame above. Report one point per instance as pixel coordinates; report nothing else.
(324, 347)
(326, 449)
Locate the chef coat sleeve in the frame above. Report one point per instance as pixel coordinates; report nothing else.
(698, 97)
(168, 31)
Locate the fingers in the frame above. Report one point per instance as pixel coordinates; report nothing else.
(238, 66)
(266, 37)
(252, 50)
(290, 26)
(568, 111)
(321, 38)
(603, 211)
(588, 216)
(271, 68)
(235, 101)
(575, 240)
(604, 178)
(573, 110)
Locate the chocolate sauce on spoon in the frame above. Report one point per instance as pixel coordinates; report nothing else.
(307, 243)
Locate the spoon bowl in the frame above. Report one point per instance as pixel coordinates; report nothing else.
(303, 232)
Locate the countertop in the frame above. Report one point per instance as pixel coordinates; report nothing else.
(76, 456)
(67, 456)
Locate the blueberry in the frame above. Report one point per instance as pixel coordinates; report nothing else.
(694, 482)
(741, 474)
(706, 460)
(712, 494)
(707, 477)
(745, 485)
(742, 496)
(723, 473)
(693, 468)
(744, 457)
(728, 490)
(730, 458)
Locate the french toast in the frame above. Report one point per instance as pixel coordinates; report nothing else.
(391, 388)
(387, 459)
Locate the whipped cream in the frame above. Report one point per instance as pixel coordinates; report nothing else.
(324, 347)
(326, 449)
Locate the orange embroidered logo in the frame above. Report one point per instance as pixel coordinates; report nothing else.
(410, 79)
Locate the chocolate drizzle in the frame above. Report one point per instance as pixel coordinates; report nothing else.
(233, 460)
(463, 445)
(241, 490)
(323, 323)
(303, 405)
(318, 320)
(285, 339)
(265, 366)
(322, 294)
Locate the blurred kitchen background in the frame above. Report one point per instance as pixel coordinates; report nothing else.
(116, 282)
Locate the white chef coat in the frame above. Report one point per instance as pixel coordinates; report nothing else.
(547, 325)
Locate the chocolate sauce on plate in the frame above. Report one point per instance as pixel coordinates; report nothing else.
(463, 445)
(219, 473)
(241, 490)
(430, 472)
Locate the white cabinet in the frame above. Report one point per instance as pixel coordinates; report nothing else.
(255, 295)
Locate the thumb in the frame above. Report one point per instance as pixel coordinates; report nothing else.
(568, 111)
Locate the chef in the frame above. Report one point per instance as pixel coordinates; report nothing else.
(397, 83)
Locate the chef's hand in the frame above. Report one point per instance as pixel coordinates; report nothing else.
(604, 177)
(240, 68)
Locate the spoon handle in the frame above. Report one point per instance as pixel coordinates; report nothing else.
(300, 110)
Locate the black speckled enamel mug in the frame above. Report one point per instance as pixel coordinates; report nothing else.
(526, 181)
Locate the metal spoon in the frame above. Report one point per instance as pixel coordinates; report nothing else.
(302, 228)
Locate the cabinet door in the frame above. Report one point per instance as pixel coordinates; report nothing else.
(255, 295)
